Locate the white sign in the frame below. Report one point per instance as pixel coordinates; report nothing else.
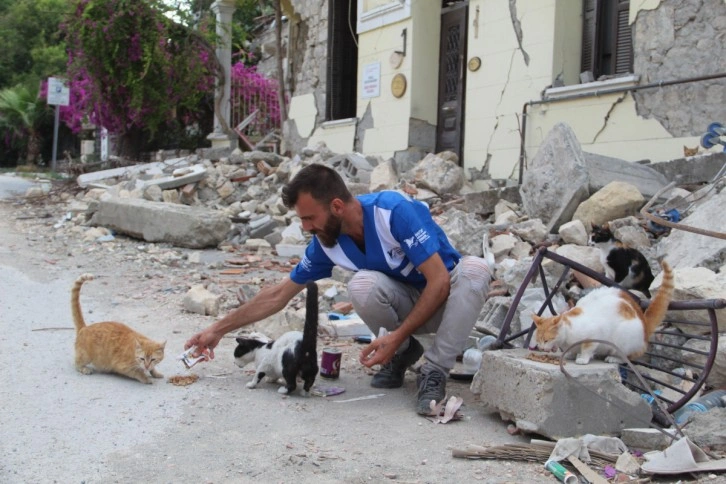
(58, 92)
(371, 80)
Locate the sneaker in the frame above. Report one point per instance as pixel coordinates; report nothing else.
(391, 374)
(431, 386)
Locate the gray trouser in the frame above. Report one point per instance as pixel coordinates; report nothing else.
(385, 302)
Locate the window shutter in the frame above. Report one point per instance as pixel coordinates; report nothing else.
(589, 35)
(624, 39)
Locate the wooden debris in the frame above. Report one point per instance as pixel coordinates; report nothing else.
(585, 470)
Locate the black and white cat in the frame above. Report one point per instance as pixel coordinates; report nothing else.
(624, 265)
(291, 355)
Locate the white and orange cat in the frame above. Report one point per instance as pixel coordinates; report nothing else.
(608, 314)
(113, 347)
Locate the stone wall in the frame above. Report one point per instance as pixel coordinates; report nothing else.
(681, 39)
(306, 52)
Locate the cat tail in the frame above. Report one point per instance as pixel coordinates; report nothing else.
(310, 331)
(659, 304)
(78, 320)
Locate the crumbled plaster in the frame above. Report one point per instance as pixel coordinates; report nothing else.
(364, 123)
(681, 39)
(517, 29)
(642, 5)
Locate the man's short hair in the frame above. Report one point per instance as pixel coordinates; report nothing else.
(322, 182)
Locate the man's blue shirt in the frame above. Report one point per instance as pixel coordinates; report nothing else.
(400, 234)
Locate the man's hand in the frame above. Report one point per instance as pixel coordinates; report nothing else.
(205, 343)
(381, 350)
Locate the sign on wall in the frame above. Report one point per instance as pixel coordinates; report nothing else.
(371, 80)
(58, 92)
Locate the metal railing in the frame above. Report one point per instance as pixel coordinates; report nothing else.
(655, 358)
(252, 93)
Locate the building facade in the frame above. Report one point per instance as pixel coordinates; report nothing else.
(487, 79)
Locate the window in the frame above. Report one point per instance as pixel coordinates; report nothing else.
(607, 40)
(342, 74)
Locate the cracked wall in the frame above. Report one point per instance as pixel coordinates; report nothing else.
(305, 50)
(676, 40)
(673, 40)
(514, 41)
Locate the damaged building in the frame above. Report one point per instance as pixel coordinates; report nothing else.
(488, 80)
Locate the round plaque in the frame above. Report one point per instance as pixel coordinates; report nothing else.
(474, 64)
(398, 85)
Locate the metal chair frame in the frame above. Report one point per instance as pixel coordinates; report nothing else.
(504, 340)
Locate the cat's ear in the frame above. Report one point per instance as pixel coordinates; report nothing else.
(162, 345)
(537, 319)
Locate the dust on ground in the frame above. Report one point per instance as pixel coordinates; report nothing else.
(62, 426)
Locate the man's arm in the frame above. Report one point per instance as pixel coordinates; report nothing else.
(438, 284)
(265, 303)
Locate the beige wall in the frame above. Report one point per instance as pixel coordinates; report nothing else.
(389, 114)
(497, 92)
(607, 124)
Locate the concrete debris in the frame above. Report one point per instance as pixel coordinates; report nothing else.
(540, 399)
(232, 202)
(181, 225)
(201, 301)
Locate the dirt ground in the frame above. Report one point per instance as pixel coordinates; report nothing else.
(61, 426)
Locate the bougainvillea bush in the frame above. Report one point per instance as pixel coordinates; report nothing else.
(131, 67)
(134, 70)
(252, 91)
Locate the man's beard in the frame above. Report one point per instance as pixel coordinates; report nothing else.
(328, 236)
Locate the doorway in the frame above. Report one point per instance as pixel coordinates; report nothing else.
(452, 64)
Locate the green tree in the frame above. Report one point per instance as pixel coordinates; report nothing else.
(145, 71)
(33, 48)
(22, 113)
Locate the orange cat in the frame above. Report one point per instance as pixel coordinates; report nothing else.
(113, 347)
(608, 314)
(689, 151)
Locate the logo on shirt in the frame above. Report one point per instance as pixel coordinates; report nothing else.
(305, 263)
(410, 242)
(422, 236)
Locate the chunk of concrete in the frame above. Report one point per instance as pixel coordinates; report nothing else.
(557, 181)
(485, 202)
(615, 200)
(180, 225)
(688, 249)
(692, 170)
(149, 169)
(603, 170)
(179, 177)
(646, 439)
(540, 399)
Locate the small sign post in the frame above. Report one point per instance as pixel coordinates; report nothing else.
(59, 94)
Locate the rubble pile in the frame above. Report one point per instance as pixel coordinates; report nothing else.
(231, 201)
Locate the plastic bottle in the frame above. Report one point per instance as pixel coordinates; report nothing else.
(485, 342)
(471, 360)
(703, 404)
